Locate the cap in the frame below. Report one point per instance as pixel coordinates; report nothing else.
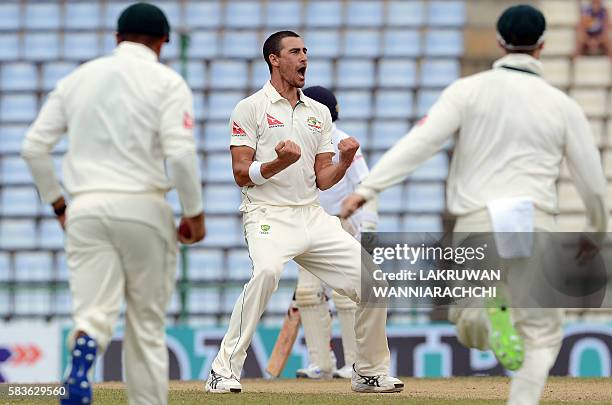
(324, 96)
(144, 18)
(521, 28)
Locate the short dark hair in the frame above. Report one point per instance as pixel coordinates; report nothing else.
(147, 40)
(273, 45)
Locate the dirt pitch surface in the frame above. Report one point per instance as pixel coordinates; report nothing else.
(463, 391)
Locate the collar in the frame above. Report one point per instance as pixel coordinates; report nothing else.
(135, 49)
(275, 95)
(520, 61)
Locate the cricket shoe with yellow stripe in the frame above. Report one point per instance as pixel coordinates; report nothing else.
(217, 384)
(504, 340)
(375, 383)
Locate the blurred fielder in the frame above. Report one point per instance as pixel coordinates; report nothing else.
(310, 293)
(514, 130)
(281, 153)
(124, 114)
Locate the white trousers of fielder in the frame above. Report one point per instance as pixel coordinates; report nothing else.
(540, 328)
(317, 242)
(122, 248)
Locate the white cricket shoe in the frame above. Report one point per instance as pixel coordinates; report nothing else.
(312, 372)
(218, 384)
(344, 372)
(375, 383)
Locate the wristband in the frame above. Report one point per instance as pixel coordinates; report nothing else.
(255, 173)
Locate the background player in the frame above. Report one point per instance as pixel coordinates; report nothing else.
(123, 115)
(514, 131)
(310, 293)
(281, 153)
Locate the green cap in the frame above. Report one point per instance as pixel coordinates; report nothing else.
(144, 18)
(521, 28)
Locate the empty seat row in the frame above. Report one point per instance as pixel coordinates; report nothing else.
(238, 14)
(360, 104)
(35, 301)
(584, 71)
(229, 74)
(238, 44)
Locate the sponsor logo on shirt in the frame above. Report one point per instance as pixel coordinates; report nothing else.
(187, 121)
(273, 122)
(236, 130)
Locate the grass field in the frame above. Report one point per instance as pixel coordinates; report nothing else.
(455, 391)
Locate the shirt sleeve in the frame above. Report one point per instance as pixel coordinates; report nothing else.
(421, 143)
(585, 168)
(179, 148)
(243, 125)
(325, 144)
(38, 144)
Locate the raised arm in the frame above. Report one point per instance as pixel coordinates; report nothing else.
(422, 142)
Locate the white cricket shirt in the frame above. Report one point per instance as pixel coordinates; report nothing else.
(514, 131)
(123, 114)
(264, 119)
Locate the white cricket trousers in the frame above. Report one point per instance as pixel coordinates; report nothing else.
(122, 248)
(317, 242)
(540, 328)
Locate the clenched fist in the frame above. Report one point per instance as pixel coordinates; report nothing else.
(288, 152)
(347, 147)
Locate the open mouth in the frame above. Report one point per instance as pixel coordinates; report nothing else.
(302, 72)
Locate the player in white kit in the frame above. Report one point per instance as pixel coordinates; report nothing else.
(281, 153)
(514, 131)
(124, 115)
(310, 295)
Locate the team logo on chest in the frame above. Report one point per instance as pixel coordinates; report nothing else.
(314, 124)
(273, 122)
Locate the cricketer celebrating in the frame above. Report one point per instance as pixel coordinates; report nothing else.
(514, 131)
(123, 114)
(281, 152)
(310, 292)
